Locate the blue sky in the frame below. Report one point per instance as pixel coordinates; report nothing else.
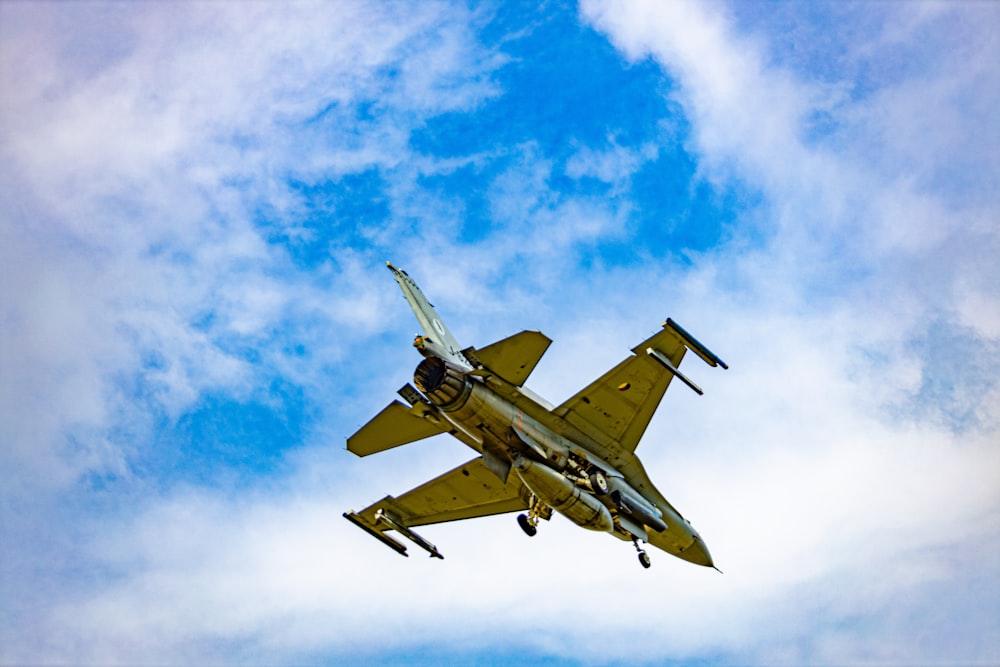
(197, 203)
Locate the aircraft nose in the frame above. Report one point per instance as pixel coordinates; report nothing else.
(697, 553)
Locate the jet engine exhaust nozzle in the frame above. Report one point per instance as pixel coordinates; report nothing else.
(443, 383)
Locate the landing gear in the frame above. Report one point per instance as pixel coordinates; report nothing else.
(536, 510)
(643, 556)
(599, 483)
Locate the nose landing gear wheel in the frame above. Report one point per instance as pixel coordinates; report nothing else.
(643, 556)
(525, 523)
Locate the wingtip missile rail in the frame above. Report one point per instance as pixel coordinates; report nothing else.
(354, 518)
(397, 525)
(695, 345)
(383, 517)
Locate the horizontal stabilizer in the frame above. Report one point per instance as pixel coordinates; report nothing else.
(514, 357)
(396, 425)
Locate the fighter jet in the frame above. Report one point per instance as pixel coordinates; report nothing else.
(576, 458)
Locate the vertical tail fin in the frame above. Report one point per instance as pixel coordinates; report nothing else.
(445, 343)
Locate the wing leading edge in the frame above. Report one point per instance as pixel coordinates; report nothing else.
(469, 491)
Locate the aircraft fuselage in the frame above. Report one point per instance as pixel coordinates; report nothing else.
(576, 459)
(556, 461)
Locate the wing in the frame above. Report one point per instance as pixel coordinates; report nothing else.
(468, 491)
(512, 358)
(617, 407)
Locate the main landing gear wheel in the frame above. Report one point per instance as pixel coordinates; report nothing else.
(643, 556)
(599, 483)
(525, 523)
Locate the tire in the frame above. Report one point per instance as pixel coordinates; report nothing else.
(644, 559)
(599, 483)
(525, 524)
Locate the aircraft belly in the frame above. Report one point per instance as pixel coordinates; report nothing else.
(486, 413)
(576, 458)
(560, 494)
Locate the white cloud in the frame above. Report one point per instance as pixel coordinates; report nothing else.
(612, 165)
(822, 506)
(133, 175)
(824, 481)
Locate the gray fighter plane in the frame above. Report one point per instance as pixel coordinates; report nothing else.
(576, 459)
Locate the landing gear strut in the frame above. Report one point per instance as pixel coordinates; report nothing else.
(529, 522)
(643, 556)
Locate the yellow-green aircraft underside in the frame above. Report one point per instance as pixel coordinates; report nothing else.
(576, 459)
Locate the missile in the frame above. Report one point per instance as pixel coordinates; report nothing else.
(358, 521)
(632, 503)
(397, 525)
(665, 362)
(639, 508)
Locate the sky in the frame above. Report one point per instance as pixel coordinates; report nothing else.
(196, 204)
